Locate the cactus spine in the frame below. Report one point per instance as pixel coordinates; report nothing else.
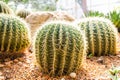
(22, 13)
(59, 48)
(14, 34)
(101, 35)
(4, 8)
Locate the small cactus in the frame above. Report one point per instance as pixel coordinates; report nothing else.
(4, 8)
(101, 35)
(22, 13)
(60, 48)
(14, 34)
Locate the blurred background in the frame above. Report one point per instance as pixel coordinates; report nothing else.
(77, 8)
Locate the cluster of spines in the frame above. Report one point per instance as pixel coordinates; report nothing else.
(101, 35)
(14, 34)
(59, 48)
(4, 8)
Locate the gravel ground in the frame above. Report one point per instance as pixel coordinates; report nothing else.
(22, 68)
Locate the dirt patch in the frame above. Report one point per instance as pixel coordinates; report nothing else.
(23, 68)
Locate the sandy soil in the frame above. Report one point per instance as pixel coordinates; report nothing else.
(23, 68)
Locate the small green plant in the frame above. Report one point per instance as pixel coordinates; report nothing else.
(16, 0)
(114, 16)
(4, 8)
(60, 48)
(6, 1)
(14, 34)
(101, 35)
(94, 14)
(114, 71)
(90, 55)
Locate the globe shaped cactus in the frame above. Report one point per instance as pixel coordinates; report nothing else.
(101, 35)
(22, 13)
(14, 34)
(4, 8)
(60, 48)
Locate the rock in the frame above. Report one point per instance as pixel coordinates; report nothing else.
(21, 59)
(100, 60)
(1, 65)
(1, 73)
(20, 63)
(73, 75)
(8, 59)
(62, 78)
(118, 55)
(2, 78)
(26, 66)
(35, 20)
(16, 60)
(8, 64)
(30, 49)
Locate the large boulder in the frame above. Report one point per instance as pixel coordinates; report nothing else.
(35, 20)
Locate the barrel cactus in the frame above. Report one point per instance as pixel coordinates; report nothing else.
(4, 8)
(22, 13)
(101, 35)
(59, 48)
(14, 34)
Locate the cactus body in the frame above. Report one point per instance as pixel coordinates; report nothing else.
(101, 35)
(14, 34)
(59, 48)
(22, 13)
(4, 8)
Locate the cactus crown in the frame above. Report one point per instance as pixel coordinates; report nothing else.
(101, 35)
(4, 8)
(59, 48)
(22, 13)
(14, 34)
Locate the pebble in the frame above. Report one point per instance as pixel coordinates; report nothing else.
(26, 66)
(2, 78)
(73, 75)
(8, 64)
(21, 59)
(16, 60)
(20, 63)
(118, 56)
(28, 61)
(63, 79)
(8, 59)
(100, 60)
(1, 73)
(1, 65)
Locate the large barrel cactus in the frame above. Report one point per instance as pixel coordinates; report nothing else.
(22, 13)
(101, 35)
(59, 48)
(14, 34)
(4, 8)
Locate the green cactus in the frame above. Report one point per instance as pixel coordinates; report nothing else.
(4, 8)
(22, 13)
(59, 48)
(14, 34)
(101, 35)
